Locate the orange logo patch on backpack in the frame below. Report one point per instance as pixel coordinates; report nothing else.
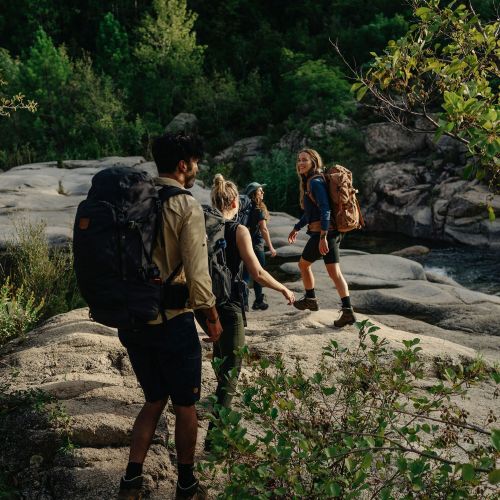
(83, 223)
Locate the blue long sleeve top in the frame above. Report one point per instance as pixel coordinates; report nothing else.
(316, 212)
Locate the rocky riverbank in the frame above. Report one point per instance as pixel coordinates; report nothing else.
(83, 365)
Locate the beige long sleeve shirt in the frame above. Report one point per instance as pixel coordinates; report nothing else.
(184, 240)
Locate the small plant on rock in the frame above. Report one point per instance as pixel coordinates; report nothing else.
(44, 271)
(365, 424)
(19, 311)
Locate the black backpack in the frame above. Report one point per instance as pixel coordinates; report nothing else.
(113, 237)
(244, 210)
(222, 280)
(246, 214)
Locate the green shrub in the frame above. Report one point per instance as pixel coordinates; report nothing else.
(317, 91)
(19, 312)
(364, 425)
(43, 272)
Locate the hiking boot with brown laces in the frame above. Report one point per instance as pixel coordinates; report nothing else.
(346, 318)
(306, 303)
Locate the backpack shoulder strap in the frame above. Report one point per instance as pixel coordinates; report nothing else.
(167, 192)
(308, 186)
(164, 194)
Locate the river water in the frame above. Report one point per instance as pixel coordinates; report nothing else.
(474, 268)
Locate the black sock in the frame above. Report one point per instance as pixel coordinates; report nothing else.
(186, 477)
(346, 302)
(310, 294)
(134, 469)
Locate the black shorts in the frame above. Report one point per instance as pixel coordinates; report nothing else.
(166, 359)
(311, 250)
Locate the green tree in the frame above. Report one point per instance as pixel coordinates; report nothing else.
(316, 92)
(113, 51)
(229, 109)
(444, 70)
(79, 114)
(168, 61)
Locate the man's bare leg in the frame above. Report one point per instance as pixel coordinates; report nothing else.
(144, 429)
(186, 430)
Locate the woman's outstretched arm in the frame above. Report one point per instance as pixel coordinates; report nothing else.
(257, 272)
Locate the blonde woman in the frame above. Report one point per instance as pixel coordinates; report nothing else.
(239, 249)
(257, 224)
(324, 239)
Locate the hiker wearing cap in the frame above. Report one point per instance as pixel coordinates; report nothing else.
(324, 238)
(239, 250)
(257, 224)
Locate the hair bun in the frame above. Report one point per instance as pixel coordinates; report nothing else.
(218, 179)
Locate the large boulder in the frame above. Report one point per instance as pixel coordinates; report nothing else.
(51, 192)
(413, 199)
(292, 141)
(387, 284)
(385, 140)
(330, 127)
(83, 365)
(183, 122)
(243, 150)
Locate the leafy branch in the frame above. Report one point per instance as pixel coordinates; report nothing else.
(14, 103)
(362, 423)
(442, 76)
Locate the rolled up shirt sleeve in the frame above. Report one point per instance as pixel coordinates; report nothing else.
(320, 194)
(194, 255)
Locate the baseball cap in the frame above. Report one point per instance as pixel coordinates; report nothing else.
(252, 187)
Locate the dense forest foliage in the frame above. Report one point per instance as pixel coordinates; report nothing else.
(109, 75)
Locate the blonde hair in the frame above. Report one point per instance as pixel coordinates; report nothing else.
(317, 169)
(223, 193)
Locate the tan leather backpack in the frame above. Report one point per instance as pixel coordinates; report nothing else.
(346, 213)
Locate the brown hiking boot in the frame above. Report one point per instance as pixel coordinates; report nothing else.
(194, 492)
(131, 490)
(306, 303)
(346, 318)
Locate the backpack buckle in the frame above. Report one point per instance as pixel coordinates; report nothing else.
(220, 244)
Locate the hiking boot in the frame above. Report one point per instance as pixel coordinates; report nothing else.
(260, 304)
(346, 318)
(194, 492)
(131, 489)
(306, 303)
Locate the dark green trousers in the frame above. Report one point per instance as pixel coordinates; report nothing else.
(232, 339)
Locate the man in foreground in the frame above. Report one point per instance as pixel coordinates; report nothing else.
(166, 354)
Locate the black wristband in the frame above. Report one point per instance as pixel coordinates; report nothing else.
(213, 321)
